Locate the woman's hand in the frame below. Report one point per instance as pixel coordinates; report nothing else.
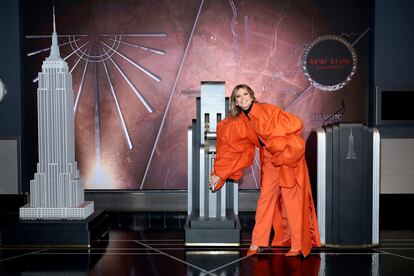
(213, 181)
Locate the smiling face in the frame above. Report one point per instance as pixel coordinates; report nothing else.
(243, 99)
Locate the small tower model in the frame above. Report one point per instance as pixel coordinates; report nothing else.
(56, 192)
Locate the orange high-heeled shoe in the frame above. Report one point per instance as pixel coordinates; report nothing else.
(252, 251)
(293, 253)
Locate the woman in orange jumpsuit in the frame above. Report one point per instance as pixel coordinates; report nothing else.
(285, 200)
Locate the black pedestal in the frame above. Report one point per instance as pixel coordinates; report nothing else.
(346, 169)
(55, 233)
(224, 231)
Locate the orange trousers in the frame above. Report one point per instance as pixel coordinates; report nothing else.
(279, 207)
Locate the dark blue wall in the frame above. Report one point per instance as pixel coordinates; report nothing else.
(13, 107)
(393, 57)
(394, 43)
(11, 68)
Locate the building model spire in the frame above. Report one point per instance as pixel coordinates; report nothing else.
(54, 49)
(56, 192)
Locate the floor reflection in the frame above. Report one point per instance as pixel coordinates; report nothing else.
(212, 260)
(278, 264)
(160, 251)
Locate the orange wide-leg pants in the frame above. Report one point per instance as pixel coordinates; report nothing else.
(279, 207)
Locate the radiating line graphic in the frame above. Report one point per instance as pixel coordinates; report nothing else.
(171, 95)
(139, 35)
(77, 62)
(80, 86)
(254, 177)
(142, 47)
(47, 49)
(359, 37)
(95, 57)
(68, 56)
(98, 155)
(140, 67)
(134, 89)
(118, 108)
(50, 36)
(99, 51)
(256, 162)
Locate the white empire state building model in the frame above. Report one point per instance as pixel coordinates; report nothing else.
(56, 192)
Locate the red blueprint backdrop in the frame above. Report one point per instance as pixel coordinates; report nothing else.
(181, 43)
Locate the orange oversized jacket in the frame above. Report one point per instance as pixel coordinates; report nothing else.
(281, 134)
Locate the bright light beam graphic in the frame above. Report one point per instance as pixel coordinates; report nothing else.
(118, 108)
(101, 178)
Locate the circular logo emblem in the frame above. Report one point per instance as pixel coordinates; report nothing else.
(329, 63)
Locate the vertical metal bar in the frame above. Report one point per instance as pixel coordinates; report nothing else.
(201, 183)
(212, 197)
(236, 198)
(375, 261)
(375, 185)
(334, 227)
(189, 171)
(218, 202)
(206, 123)
(223, 198)
(196, 160)
(322, 266)
(219, 194)
(321, 180)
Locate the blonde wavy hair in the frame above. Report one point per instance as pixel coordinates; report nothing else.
(234, 110)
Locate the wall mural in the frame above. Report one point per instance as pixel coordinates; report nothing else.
(137, 67)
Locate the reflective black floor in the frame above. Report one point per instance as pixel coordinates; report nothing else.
(141, 245)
